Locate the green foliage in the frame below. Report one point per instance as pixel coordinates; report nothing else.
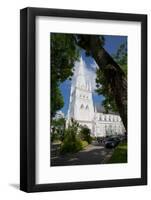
(121, 57)
(119, 154)
(85, 134)
(64, 52)
(103, 88)
(84, 144)
(70, 146)
(57, 129)
(57, 101)
(101, 83)
(71, 142)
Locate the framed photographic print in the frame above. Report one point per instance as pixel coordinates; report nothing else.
(83, 98)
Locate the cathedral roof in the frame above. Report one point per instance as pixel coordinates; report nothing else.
(99, 108)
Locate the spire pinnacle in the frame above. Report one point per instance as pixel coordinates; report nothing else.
(81, 67)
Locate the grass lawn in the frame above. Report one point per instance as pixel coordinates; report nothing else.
(119, 154)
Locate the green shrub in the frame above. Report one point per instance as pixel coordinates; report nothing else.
(57, 129)
(119, 154)
(55, 136)
(85, 134)
(71, 147)
(84, 144)
(71, 142)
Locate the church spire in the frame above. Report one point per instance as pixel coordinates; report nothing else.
(81, 102)
(81, 67)
(80, 80)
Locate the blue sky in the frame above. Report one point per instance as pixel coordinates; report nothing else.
(112, 44)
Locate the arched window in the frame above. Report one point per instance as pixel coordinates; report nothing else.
(115, 119)
(82, 106)
(111, 118)
(106, 118)
(87, 107)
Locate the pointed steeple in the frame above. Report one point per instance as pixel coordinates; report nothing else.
(81, 102)
(80, 80)
(81, 67)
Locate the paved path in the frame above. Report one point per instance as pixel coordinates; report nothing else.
(93, 154)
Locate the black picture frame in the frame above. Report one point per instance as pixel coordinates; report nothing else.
(28, 98)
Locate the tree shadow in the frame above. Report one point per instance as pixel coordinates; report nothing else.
(93, 156)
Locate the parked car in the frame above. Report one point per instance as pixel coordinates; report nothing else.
(100, 140)
(116, 138)
(112, 142)
(122, 137)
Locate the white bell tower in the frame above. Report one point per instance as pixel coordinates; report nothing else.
(81, 103)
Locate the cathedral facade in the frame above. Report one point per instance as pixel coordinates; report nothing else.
(86, 113)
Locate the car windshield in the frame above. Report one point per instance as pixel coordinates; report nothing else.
(110, 139)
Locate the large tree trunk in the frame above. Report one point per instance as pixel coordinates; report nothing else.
(111, 70)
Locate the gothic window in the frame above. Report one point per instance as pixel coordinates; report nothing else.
(87, 107)
(106, 118)
(82, 106)
(115, 118)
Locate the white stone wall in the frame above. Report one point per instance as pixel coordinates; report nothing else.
(81, 109)
(108, 124)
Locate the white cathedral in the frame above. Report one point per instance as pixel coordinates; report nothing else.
(86, 113)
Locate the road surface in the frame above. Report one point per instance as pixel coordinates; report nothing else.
(93, 154)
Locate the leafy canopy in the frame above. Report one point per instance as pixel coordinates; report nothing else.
(64, 52)
(102, 85)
